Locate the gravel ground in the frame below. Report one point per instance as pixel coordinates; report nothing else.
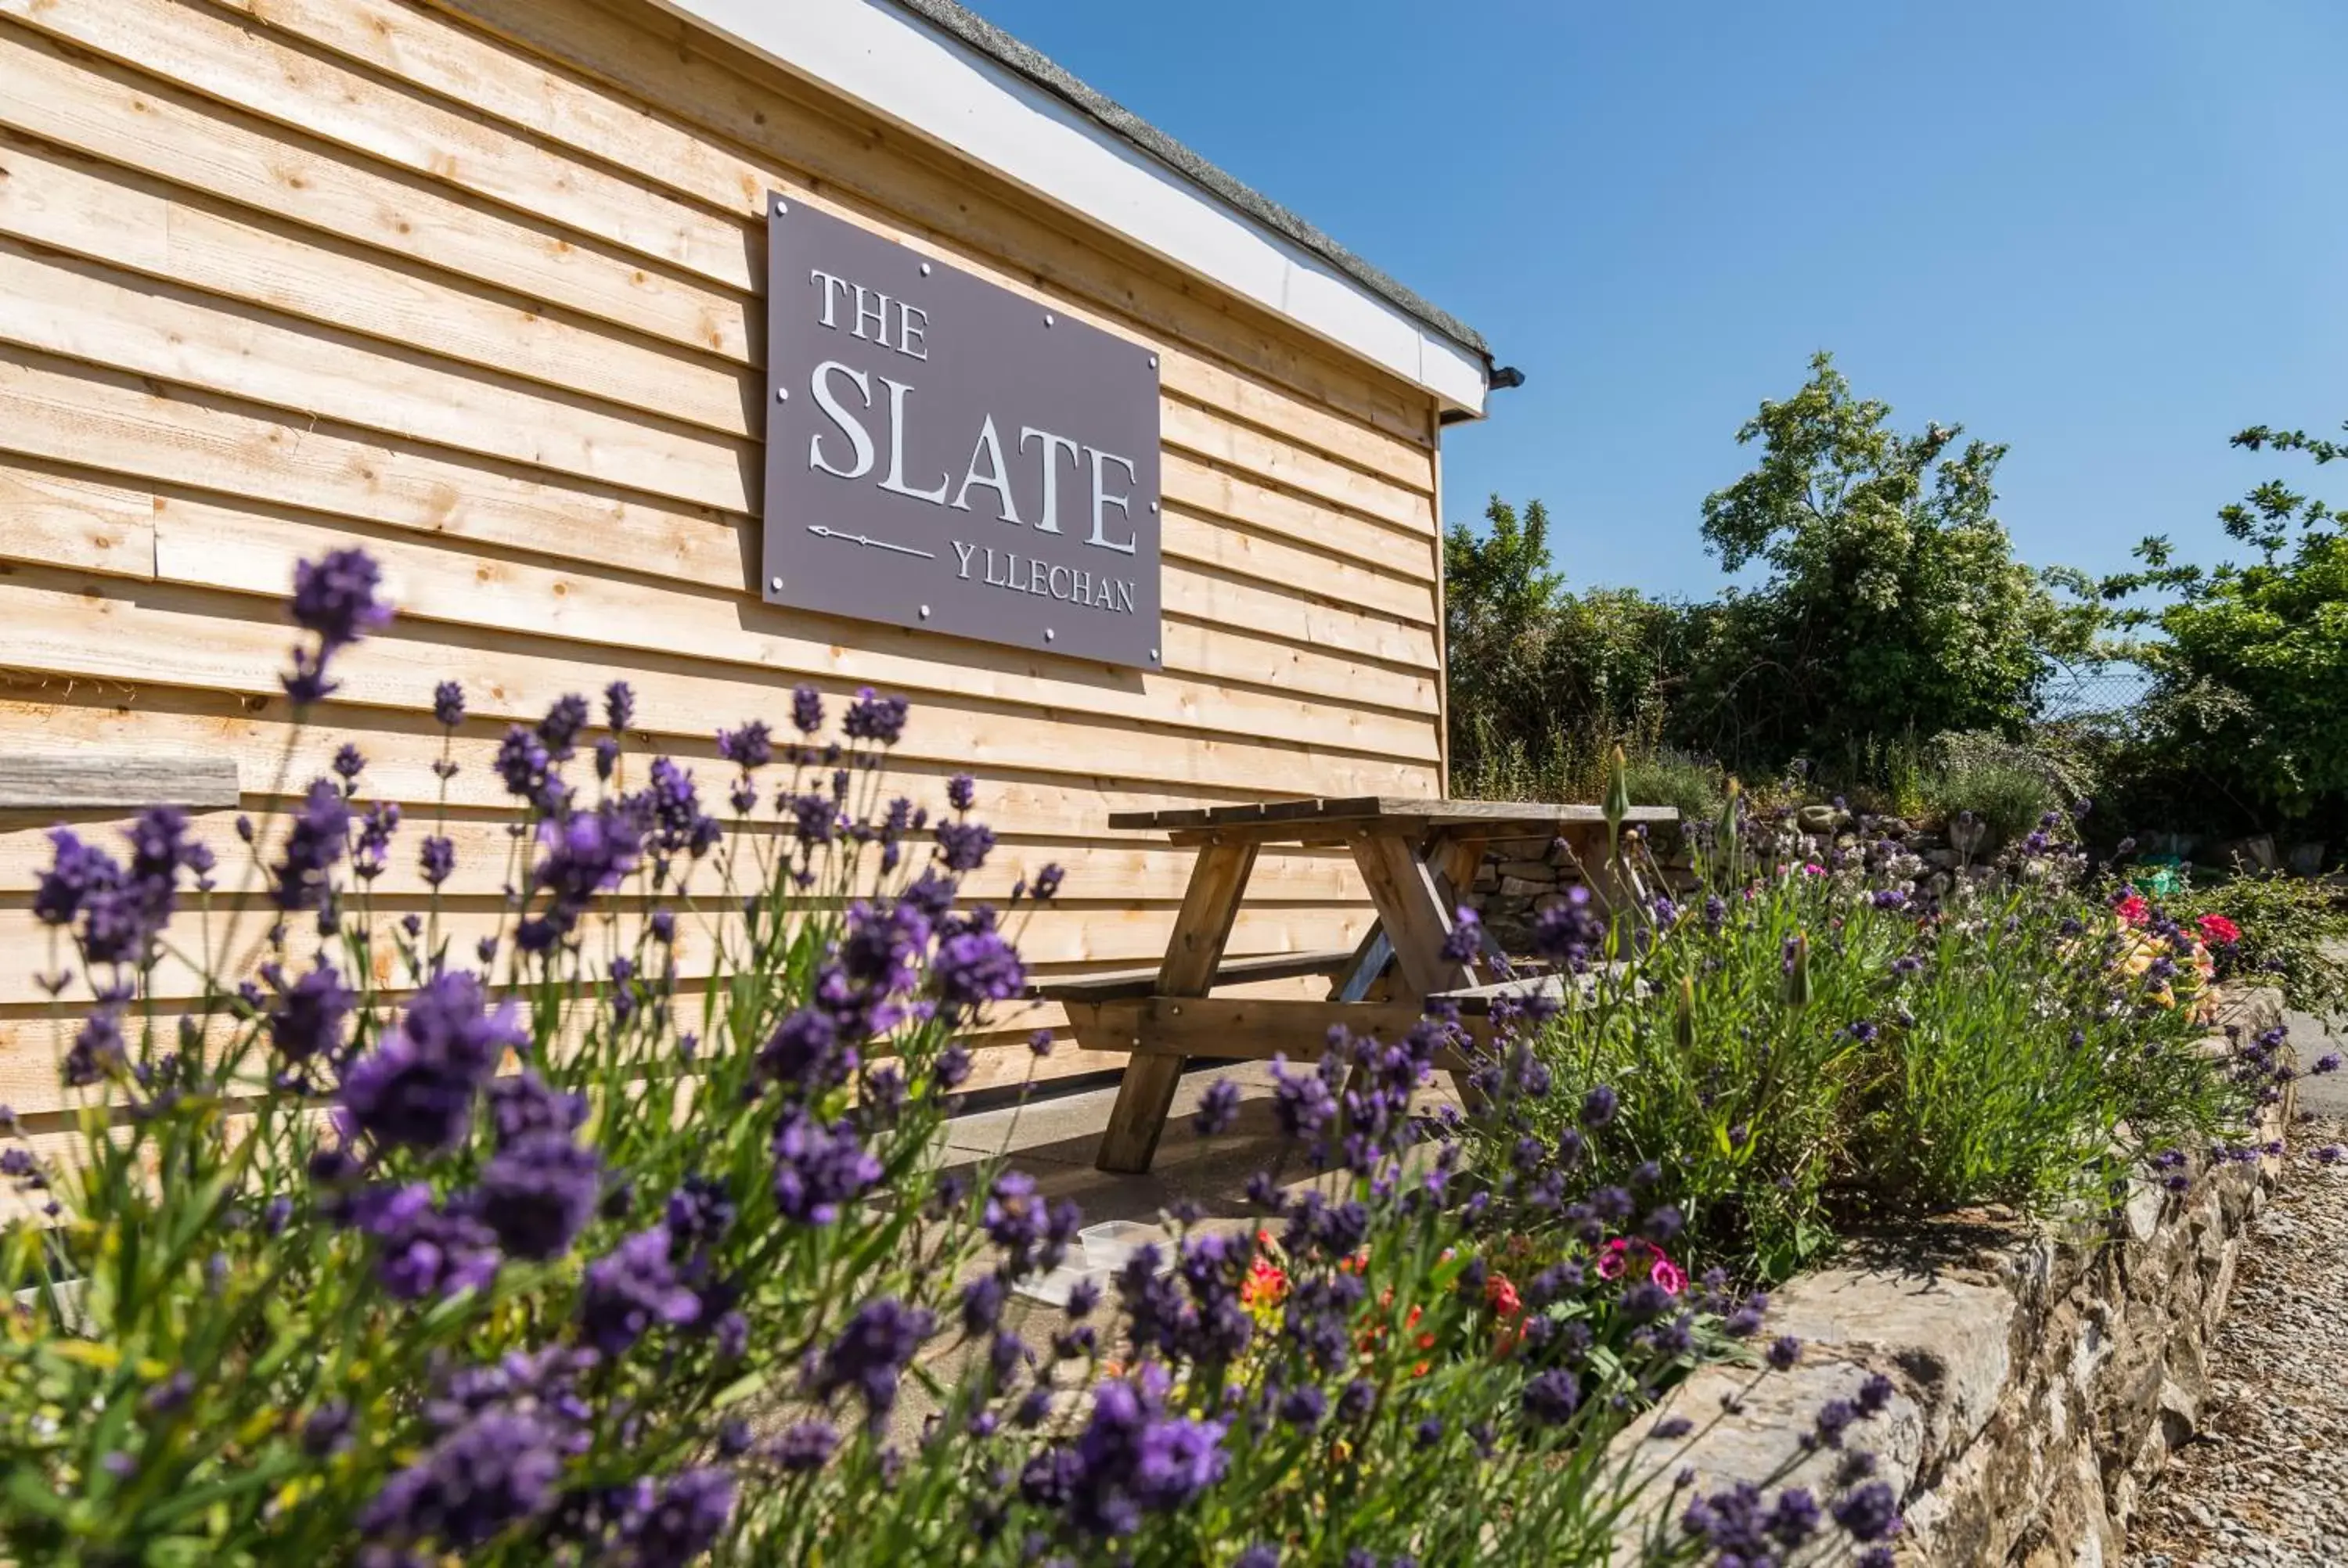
(2265, 1481)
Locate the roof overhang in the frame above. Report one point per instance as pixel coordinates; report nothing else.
(932, 68)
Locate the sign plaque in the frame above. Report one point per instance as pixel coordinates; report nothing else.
(944, 454)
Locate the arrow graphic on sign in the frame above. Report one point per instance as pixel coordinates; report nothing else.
(868, 542)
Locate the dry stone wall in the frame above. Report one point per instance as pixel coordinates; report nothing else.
(2043, 1377)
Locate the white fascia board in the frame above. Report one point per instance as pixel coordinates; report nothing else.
(893, 63)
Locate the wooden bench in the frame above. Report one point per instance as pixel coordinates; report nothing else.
(1123, 985)
(1419, 857)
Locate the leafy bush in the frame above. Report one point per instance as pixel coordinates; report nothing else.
(2008, 786)
(1695, 785)
(2252, 661)
(2291, 933)
(1811, 1043)
(1892, 607)
(637, 1242)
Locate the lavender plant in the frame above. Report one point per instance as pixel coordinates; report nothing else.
(621, 1230)
(1813, 1037)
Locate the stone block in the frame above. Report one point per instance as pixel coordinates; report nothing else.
(2043, 1375)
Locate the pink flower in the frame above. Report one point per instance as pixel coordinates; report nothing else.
(2218, 931)
(2132, 910)
(1616, 1258)
(1812, 868)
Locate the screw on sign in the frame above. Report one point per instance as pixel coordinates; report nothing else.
(952, 467)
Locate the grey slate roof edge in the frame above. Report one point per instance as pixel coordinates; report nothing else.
(1010, 53)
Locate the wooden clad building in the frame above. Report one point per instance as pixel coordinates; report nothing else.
(480, 285)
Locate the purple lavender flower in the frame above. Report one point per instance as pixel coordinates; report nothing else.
(961, 791)
(585, 853)
(335, 598)
(1868, 1513)
(671, 812)
(99, 1049)
(619, 706)
(525, 766)
(805, 1053)
(382, 820)
(1568, 933)
(522, 1106)
(315, 841)
(417, 1087)
(881, 719)
(559, 731)
(1218, 1108)
(435, 859)
(1465, 942)
(448, 705)
(1046, 885)
(682, 1521)
(750, 747)
(807, 710)
(631, 1289)
(1131, 1458)
(1784, 1352)
(75, 871)
(2328, 1063)
(1552, 1397)
(349, 762)
(309, 1017)
(964, 845)
(538, 1192)
(804, 1447)
(819, 1168)
(422, 1248)
(975, 966)
(699, 1212)
(1598, 1106)
(982, 1305)
(1034, 1235)
(871, 1353)
(492, 1472)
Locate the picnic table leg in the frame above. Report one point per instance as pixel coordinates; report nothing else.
(1412, 911)
(1217, 880)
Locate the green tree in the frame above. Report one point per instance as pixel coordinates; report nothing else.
(1544, 681)
(1894, 602)
(2250, 670)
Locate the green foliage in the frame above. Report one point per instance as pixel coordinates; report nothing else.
(2009, 786)
(1544, 683)
(1892, 607)
(1802, 1054)
(2295, 935)
(2252, 660)
(1893, 601)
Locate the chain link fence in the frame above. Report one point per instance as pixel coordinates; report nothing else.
(2094, 691)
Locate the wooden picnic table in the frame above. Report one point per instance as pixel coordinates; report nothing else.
(1419, 857)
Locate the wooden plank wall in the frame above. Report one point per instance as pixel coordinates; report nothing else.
(475, 283)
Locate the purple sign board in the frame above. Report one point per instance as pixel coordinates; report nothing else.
(944, 454)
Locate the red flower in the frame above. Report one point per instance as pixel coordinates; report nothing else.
(2218, 931)
(2132, 910)
(1500, 1296)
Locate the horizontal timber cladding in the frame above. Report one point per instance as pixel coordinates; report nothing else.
(476, 284)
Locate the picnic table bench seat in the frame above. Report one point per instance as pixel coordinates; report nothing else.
(1123, 985)
(1418, 857)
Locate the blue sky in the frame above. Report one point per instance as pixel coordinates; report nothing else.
(2108, 232)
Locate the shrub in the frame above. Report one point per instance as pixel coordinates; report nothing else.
(2008, 786)
(626, 1234)
(2289, 932)
(1816, 1043)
